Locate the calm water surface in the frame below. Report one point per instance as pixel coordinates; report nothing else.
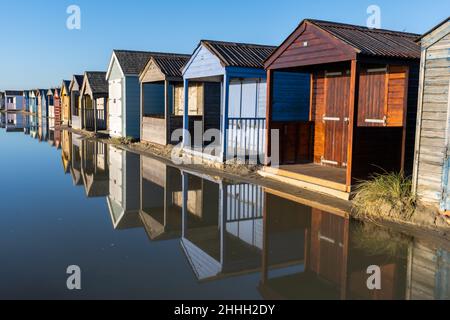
(121, 218)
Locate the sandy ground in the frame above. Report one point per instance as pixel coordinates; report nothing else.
(427, 222)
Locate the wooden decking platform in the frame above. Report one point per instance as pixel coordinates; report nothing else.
(328, 180)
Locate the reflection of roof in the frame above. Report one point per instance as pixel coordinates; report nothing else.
(122, 219)
(76, 176)
(204, 266)
(66, 163)
(96, 186)
(155, 230)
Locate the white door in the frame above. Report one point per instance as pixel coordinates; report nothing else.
(115, 108)
(115, 175)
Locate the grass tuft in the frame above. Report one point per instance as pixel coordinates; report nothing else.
(387, 195)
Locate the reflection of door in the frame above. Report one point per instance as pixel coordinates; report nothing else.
(336, 118)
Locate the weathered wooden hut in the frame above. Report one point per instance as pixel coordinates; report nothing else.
(66, 115)
(162, 98)
(94, 101)
(428, 271)
(14, 100)
(75, 102)
(231, 98)
(124, 188)
(431, 172)
(362, 112)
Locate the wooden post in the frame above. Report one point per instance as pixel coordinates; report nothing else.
(353, 119)
(225, 108)
(223, 210)
(345, 251)
(83, 107)
(269, 116)
(186, 115)
(141, 119)
(184, 209)
(94, 105)
(265, 251)
(405, 119)
(166, 110)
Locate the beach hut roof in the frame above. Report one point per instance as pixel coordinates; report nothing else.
(364, 41)
(171, 65)
(13, 92)
(134, 62)
(235, 54)
(97, 81)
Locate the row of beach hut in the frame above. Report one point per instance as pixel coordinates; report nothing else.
(345, 100)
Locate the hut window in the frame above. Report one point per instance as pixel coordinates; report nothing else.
(382, 99)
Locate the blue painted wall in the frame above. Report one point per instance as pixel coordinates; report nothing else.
(132, 107)
(291, 96)
(154, 98)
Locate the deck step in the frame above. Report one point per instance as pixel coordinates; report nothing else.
(305, 182)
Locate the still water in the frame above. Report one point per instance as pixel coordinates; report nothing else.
(140, 228)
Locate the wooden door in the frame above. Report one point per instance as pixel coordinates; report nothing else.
(336, 118)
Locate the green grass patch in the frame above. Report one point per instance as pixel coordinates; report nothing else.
(387, 195)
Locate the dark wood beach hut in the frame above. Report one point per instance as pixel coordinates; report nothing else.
(362, 110)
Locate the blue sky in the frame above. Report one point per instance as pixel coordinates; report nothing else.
(39, 51)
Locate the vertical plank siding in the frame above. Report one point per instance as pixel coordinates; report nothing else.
(317, 112)
(430, 180)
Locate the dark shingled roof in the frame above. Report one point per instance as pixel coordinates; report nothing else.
(171, 65)
(66, 83)
(239, 54)
(133, 62)
(97, 81)
(13, 92)
(79, 79)
(373, 42)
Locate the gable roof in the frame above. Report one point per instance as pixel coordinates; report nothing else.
(13, 93)
(233, 54)
(65, 85)
(169, 65)
(365, 41)
(433, 29)
(375, 42)
(134, 62)
(97, 81)
(78, 79)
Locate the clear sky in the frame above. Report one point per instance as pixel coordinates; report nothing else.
(38, 50)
